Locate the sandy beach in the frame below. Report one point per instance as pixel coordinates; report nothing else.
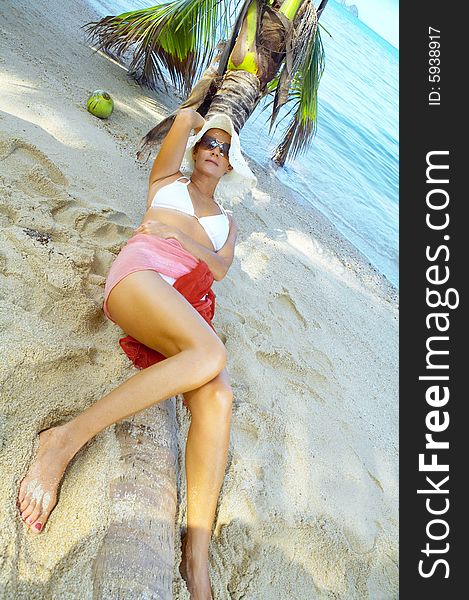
(309, 505)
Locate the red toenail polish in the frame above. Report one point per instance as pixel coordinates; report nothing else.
(38, 526)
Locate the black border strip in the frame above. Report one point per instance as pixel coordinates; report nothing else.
(436, 128)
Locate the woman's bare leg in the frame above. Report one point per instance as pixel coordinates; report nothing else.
(206, 453)
(152, 311)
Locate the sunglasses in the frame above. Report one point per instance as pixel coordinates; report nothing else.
(208, 143)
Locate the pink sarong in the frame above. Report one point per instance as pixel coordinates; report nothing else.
(193, 279)
(144, 251)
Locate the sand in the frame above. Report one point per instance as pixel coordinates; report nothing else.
(309, 504)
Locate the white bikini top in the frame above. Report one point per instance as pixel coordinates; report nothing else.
(175, 195)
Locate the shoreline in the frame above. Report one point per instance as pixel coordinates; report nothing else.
(327, 234)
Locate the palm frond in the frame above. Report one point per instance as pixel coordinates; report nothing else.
(302, 79)
(179, 36)
(304, 95)
(299, 36)
(326, 30)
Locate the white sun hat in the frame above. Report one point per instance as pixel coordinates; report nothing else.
(240, 178)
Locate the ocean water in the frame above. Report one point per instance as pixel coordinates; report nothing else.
(350, 171)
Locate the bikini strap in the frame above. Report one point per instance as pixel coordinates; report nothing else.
(221, 207)
(186, 183)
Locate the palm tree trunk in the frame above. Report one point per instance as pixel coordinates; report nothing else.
(276, 40)
(237, 78)
(136, 557)
(237, 96)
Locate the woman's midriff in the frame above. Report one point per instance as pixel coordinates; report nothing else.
(186, 223)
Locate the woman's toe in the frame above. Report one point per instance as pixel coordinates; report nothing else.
(24, 492)
(25, 503)
(28, 510)
(46, 507)
(38, 526)
(34, 515)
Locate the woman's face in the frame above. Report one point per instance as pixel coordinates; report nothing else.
(212, 161)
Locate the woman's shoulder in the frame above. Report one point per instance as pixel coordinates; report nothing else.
(159, 183)
(156, 185)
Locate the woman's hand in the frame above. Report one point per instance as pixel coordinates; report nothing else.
(197, 119)
(158, 229)
(200, 122)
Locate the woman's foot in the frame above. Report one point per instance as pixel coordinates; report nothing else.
(194, 571)
(38, 490)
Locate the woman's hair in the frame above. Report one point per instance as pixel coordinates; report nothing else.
(195, 149)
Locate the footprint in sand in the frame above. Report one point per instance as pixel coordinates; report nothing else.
(283, 307)
(258, 423)
(281, 360)
(104, 225)
(62, 245)
(303, 389)
(235, 556)
(319, 359)
(30, 170)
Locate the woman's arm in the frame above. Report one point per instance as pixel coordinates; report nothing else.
(218, 262)
(169, 158)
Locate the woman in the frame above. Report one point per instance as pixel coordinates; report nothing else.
(182, 227)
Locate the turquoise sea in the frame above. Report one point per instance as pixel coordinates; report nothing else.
(350, 172)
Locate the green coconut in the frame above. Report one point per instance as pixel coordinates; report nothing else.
(100, 104)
